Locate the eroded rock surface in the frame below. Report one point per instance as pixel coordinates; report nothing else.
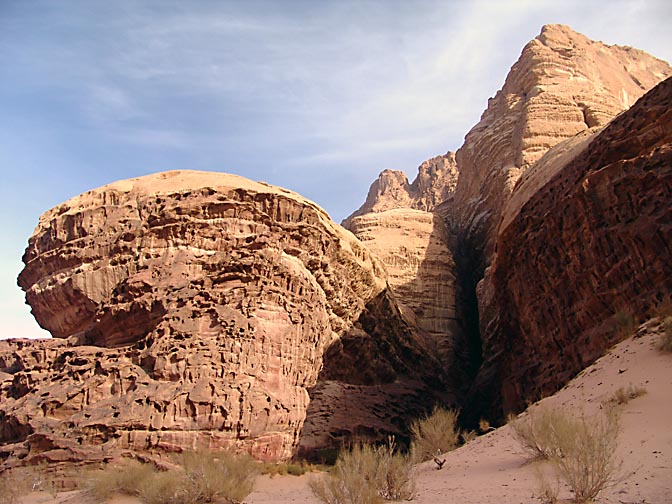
(559, 95)
(413, 244)
(578, 257)
(192, 310)
(434, 184)
(562, 84)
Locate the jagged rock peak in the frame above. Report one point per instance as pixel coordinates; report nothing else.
(434, 184)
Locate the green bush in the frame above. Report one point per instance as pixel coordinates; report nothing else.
(435, 434)
(367, 475)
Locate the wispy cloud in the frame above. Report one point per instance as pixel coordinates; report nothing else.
(315, 96)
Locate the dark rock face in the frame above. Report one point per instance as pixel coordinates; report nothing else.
(593, 245)
(193, 310)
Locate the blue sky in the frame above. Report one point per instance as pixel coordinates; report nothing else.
(315, 96)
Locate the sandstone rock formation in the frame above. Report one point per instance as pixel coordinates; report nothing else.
(434, 184)
(562, 90)
(562, 84)
(205, 310)
(192, 309)
(413, 244)
(591, 248)
(560, 93)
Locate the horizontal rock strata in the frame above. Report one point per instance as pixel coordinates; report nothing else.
(194, 310)
(562, 84)
(588, 251)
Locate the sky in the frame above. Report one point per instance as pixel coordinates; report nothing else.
(314, 96)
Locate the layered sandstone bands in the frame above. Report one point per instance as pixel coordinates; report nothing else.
(563, 90)
(599, 234)
(413, 245)
(562, 84)
(205, 310)
(434, 184)
(197, 309)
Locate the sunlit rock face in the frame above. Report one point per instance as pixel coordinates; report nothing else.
(562, 84)
(531, 322)
(433, 185)
(191, 309)
(414, 246)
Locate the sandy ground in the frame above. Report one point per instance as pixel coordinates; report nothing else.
(493, 468)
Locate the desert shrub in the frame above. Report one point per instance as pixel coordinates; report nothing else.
(12, 488)
(484, 426)
(218, 475)
(293, 468)
(199, 477)
(582, 449)
(433, 435)
(165, 487)
(468, 436)
(34, 478)
(586, 458)
(665, 341)
(40, 479)
(367, 475)
(547, 490)
(625, 394)
(537, 430)
(625, 324)
(122, 479)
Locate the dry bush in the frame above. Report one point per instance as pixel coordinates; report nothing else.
(40, 479)
(293, 468)
(367, 475)
(121, 479)
(468, 436)
(625, 324)
(435, 434)
(547, 491)
(201, 477)
(218, 475)
(165, 487)
(12, 488)
(587, 460)
(582, 449)
(16, 483)
(484, 426)
(625, 394)
(538, 429)
(665, 341)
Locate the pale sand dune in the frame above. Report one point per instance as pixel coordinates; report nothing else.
(494, 469)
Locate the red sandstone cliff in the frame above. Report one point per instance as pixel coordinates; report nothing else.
(560, 93)
(195, 309)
